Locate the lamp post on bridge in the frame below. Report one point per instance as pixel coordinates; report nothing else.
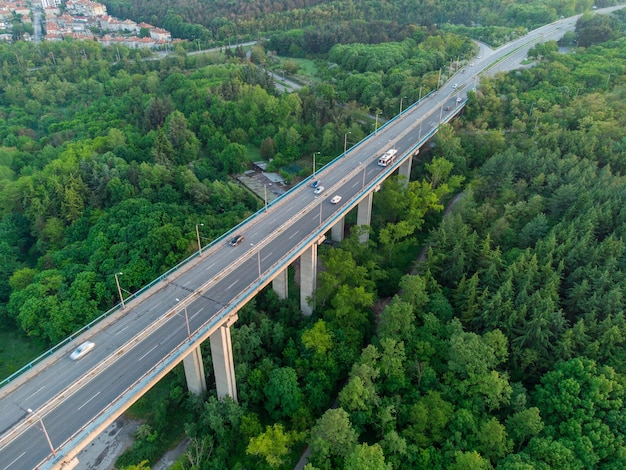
(314, 166)
(345, 142)
(320, 213)
(186, 319)
(119, 289)
(43, 428)
(198, 235)
(403, 97)
(364, 167)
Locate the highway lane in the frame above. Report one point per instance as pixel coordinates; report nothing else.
(64, 393)
(285, 221)
(86, 401)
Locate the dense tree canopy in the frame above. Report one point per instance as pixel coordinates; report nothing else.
(503, 349)
(221, 20)
(107, 168)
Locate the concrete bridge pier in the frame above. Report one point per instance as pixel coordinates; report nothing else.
(364, 215)
(194, 371)
(337, 230)
(280, 284)
(405, 169)
(308, 277)
(223, 364)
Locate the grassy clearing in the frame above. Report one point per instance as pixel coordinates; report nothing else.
(254, 153)
(307, 73)
(15, 352)
(307, 67)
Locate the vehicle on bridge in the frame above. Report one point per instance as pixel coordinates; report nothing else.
(236, 240)
(319, 190)
(81, 350)
(388, 157)
(315, 183)
(213, 288)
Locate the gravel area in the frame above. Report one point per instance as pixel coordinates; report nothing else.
(103, 451)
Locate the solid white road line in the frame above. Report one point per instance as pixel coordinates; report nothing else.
(81, 406)
(156, 346)
(11, 463)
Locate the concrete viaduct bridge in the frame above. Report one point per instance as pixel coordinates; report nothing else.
(54, 407)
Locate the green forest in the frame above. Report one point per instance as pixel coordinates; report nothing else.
(501, 350)
(110, 159)
(340, 21)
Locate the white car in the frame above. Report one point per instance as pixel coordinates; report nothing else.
(319, 190)
(81, 350)
(455, 86)
(335, 199)
(459, 99)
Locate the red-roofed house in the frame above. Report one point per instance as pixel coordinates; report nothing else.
(160, 34)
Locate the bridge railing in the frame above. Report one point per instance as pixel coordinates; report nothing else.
(118, 307)
(174, 357)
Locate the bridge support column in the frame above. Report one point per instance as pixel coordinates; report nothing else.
(308, 278)
(364, 215)
(280, 284)
(194, 372)
(223, 364)
(405, 170)
(337, 230)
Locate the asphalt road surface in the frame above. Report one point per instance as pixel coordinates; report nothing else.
(72, 401)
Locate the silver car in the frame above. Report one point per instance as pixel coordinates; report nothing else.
(82, 350)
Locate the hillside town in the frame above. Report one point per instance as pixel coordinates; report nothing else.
(77, 19)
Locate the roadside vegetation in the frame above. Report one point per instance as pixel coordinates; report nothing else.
(104, 153)
(512, 326)
(341, 22)
(503, 349)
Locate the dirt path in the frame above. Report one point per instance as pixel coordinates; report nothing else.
(171, 456)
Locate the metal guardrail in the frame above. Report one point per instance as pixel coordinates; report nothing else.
(171, 359)
(117, 308)
(174, 357)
